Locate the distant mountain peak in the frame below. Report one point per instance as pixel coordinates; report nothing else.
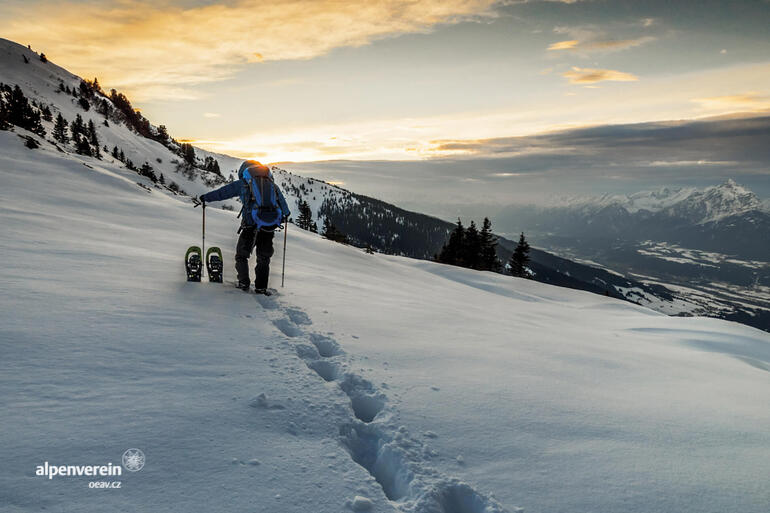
(697, 205)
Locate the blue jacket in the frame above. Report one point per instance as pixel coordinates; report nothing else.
(241, 188)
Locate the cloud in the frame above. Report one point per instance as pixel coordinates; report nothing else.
(211, 115)
(615, 44)
(159, 48)
(591, 75)
(720, 141)
(564, 45)
(600, 45)
(586, 39)
(531, 168)
(751, 101)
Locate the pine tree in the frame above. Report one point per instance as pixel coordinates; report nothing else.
(471, 247)
(332, 233)
(451, 252)
(162, 134)
(77, 127)
(46, 113)
(22, 114)
(305, 219)
(82, 146)
(188, 153)
(4, 124)
(93, 138)
(147, 170)
(115, 153)
(488, 242)
(520, 258)
(60, 129)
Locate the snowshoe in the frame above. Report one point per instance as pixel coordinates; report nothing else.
(264, 292)
(193, 263)
(214, 264)
(244, 286)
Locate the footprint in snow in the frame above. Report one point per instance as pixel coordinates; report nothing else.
(287, 327)
(298, 317)
(326, 346)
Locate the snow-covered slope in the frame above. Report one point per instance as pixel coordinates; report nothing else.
(369, 383)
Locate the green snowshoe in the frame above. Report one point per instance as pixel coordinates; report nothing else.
(193, 263)
(214, 264)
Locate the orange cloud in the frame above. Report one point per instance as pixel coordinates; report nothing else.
(564, 45)
(157, 49)
(596, 45)
(591, 76)
(747, 102)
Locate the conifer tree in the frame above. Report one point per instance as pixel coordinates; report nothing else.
(305, 219)
(488, 242)
(77, 127)
(162, 134)
(4, 124)
(451, 252)
(21, 113)
(520, 258)
(46, 113)
(93, 138)
(332, 233)
(60, 129)
(471, 254)
(82, 146)
(147, 170)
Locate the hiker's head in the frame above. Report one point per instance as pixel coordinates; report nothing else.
(255, 168)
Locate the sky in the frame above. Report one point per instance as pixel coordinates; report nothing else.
(414, 88)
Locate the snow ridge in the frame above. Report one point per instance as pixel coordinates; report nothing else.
(397, 461)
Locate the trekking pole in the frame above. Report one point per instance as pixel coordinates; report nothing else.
(285, 231)
(203, 245)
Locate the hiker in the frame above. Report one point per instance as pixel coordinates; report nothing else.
(264, 209)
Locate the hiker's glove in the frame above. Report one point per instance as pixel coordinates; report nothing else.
(200, 198)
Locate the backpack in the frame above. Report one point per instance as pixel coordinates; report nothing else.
(260, 199)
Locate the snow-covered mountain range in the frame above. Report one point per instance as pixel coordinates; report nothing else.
(696, 205)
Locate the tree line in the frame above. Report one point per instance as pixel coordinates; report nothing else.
(477, 249)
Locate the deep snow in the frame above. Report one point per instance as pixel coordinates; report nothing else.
(368, 382)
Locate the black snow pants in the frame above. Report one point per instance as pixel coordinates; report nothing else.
(251, 236)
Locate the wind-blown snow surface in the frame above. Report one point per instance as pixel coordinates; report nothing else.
(369, 382)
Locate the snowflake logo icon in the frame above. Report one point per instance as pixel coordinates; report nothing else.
(133, 460)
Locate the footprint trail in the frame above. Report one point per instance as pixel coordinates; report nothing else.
(398, 462)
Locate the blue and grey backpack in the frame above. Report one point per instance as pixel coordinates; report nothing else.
(260, 198)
